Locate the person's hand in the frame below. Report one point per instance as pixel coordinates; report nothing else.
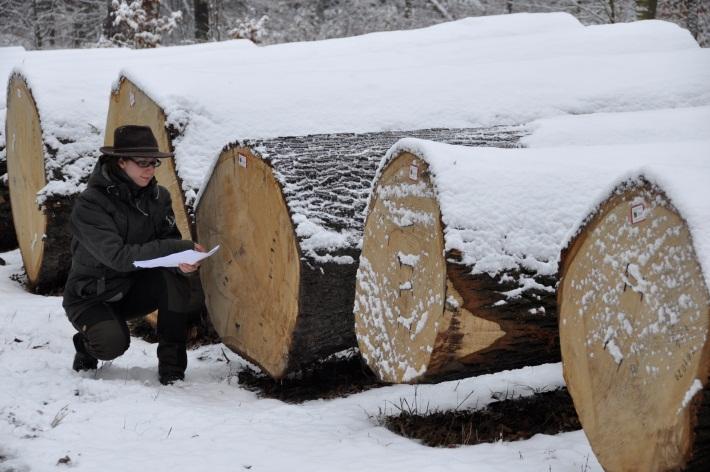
(188, 268)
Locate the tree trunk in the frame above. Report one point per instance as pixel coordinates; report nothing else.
(646, 9)
(277, 295)
(202, 19)
(36, 26)
(634, 320)
(109, 30)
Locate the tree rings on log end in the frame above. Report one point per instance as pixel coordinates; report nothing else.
(129, 105)
(252, 284)
(410, 322)
(26, 175)
(634, 317)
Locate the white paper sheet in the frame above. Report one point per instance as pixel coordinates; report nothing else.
(173, 260)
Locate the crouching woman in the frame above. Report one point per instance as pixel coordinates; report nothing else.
(124, 216)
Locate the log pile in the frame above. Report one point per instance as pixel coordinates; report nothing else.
(288, 214)
(634, 323)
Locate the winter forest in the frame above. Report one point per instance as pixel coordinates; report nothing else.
(355, 235)
(51, 24)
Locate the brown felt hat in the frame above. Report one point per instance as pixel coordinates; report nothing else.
(134, 141)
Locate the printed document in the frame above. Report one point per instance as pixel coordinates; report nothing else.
(173, 260)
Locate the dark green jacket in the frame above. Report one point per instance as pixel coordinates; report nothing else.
(115, 223)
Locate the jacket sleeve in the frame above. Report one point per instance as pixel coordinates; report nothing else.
(95, 229)
(168, 225)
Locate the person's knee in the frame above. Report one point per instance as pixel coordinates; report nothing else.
(107, 340)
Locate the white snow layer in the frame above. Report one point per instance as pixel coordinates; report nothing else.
(120, 418)
(71, 89)
(475, 72)
(8, 57)
(680, 124)
(515, 208)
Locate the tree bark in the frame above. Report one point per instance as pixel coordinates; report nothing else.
(8, 240)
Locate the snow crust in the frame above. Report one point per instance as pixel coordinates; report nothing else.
(121, 418)
(513, 209)
(476, 72)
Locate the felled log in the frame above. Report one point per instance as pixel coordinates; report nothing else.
(420, 314)
(458, 271)
(288, 214)
(130, 105)
(9, 56)
(41, 227)
(634, 320)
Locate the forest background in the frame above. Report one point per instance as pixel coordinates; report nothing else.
(54, 24)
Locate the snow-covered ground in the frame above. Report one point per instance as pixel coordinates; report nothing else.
(120, 418)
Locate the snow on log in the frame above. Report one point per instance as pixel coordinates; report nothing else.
(634, 315)
(498, 71)
(56, 104)
(129, 105)
(287, 213)
(42, 231)
(458, 268)
(61, 116)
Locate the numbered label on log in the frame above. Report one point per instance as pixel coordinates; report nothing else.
(638, 212)
(243, 160)
(413, 172)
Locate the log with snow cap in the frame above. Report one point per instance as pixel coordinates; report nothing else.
(56, 107)
(56, 112)
(42, 231)
(458, 268)
(287, 213)
(9, 56)
(634, 312)
(480, 72)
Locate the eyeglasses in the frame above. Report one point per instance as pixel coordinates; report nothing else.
(144, 163)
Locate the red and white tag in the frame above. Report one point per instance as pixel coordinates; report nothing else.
(243, 160)
(638, 212)
(413, 172)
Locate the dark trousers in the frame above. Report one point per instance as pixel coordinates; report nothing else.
(104, 325)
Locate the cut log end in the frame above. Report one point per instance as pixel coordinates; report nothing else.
(401, 293)
(420, 314)
(634, 320)
(26, 175)
(129, 105)
(252, 283)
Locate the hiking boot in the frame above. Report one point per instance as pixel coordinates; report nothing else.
(82, 359)
(171, 378)
(172, 362)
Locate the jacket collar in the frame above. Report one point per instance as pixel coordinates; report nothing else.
(121, 186)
